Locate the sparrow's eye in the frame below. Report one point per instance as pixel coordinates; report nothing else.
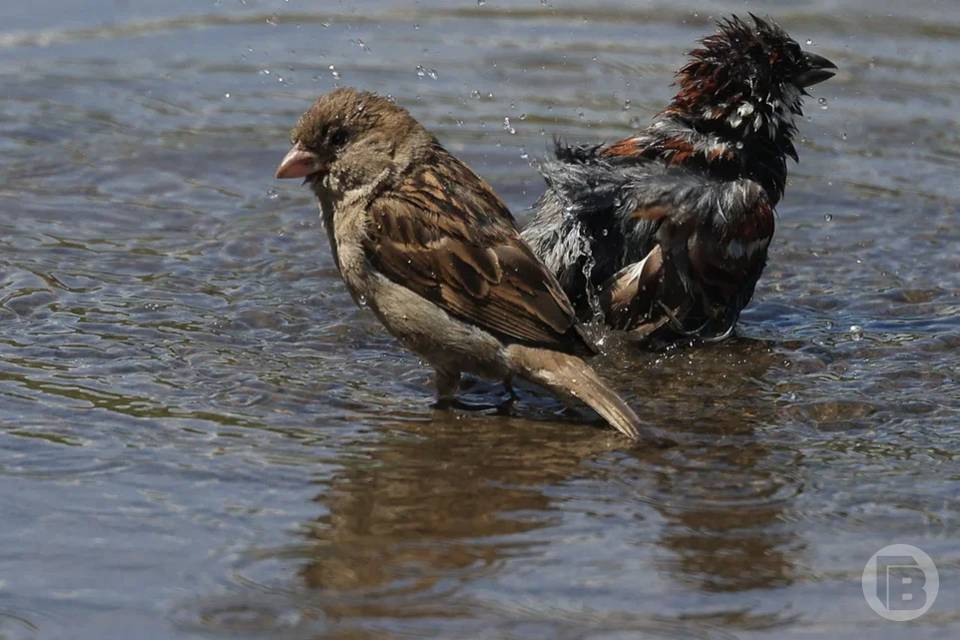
(339, 138)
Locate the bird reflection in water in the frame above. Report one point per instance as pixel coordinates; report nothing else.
(419, 525)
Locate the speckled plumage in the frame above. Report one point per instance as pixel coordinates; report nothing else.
(429, 247)
(665, 233)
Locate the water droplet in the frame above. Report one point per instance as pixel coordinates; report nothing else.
(226, 95)
(334, 72)
(272, 194)
(843, 135)
(626, 105)
(265, 72)
(273, 20)
(523, 153)
(856, 332)
(480, 3)
(424, 72)
(739, 145)
(523, 116)
(823, 103)
(810, 42)
(507, 127)
(828, 217)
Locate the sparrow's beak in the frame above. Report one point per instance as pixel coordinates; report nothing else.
(299, 162)
(819, 69)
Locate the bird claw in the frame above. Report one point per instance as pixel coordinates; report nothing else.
(720, 337)
(677, 326)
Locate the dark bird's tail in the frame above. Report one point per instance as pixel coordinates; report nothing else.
(571, 378)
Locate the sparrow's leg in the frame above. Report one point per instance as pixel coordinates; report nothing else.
(677, 325)
(508, 385)
(720, 337)
(730, 322)
(506, 406)
(447, 384)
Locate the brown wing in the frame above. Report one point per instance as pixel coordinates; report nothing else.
(445, 235)
(695, 278)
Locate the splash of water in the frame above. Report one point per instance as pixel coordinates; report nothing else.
(583, 254)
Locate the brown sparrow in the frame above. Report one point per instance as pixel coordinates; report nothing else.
(666, 232)
(429, 247)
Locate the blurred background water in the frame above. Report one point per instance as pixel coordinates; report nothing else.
(201, 437)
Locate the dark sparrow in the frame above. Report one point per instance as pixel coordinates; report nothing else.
(430, 248)
(666, 232)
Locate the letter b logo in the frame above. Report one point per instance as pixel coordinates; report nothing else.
(900, 582)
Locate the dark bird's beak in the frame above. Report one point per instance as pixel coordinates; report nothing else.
(818, 70)
(299, 162)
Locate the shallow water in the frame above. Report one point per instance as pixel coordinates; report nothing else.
(201, 437)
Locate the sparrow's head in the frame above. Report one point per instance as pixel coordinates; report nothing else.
(350, 138)
(748, 79)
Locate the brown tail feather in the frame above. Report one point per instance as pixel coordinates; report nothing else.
(627, 297)
(572, 378)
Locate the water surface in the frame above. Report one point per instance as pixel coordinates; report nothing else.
(202, 437)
